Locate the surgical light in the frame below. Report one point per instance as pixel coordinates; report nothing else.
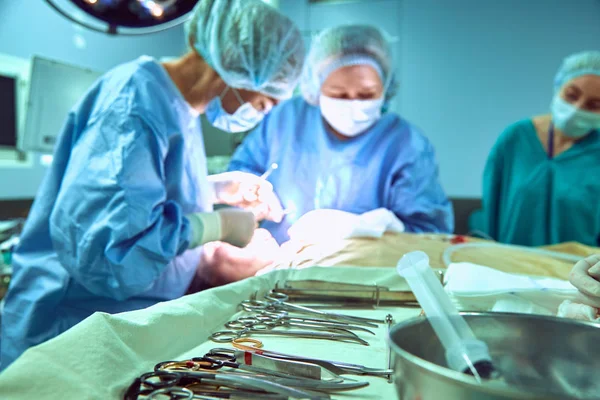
(124, 17)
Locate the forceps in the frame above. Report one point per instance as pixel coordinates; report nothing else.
(275, 301)
(335, 367)
(228, 358)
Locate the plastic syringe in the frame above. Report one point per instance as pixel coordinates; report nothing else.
(464, 352)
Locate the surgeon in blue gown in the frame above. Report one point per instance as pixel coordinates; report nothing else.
(121, 217)
(336, 149)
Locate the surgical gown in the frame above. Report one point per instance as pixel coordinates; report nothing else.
(392, 165)
(107, 230)
(531, 199)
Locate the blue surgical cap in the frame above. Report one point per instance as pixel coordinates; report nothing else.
(249, 44)
(584, 63)
(342, 46)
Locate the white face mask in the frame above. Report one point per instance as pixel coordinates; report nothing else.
(572, 121)
(243, 119)
(350, 117)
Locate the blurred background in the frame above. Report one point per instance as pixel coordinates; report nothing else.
(467, 69)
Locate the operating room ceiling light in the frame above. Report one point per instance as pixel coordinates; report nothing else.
(124, 17)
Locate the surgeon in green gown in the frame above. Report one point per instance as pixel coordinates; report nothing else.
(541, 184)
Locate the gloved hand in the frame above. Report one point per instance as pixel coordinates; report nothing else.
(247, 191)
(222, 263)
(237, 226)
(585, 276)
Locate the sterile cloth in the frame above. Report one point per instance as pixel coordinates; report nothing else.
(99, 358)
(327, 224)
(479, 288)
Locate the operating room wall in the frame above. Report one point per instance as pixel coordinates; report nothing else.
(468, 68)
(30, 27)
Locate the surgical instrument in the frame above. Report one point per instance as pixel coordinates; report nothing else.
(336, 367)
(269, 171)
(389, 320)
(198, 392)
(288, 367)
(227, 358)
(278, 301)
(227, 336)
(172, 392)
(299, 368)
(165, 379)
(273, 319)
(376, 296)
(345, 293)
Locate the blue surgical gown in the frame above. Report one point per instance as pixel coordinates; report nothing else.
(392, 165)
(531, 199)
(107, 230)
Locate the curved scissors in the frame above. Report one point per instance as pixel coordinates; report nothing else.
(285, 317)
(174, 392)
(183, 366)
(267, 320)
(167, 379)
(164, 382)
(227, 336)
(275, 301)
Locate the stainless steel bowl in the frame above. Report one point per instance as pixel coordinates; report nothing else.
(538, 358)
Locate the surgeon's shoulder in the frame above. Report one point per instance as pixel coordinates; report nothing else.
(136, 87)
(293, 112)
(294, 108)
(515, 133)
(405, 135)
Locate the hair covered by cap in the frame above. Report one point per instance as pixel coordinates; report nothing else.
(249, 44)
(578, 64)
(347, 45)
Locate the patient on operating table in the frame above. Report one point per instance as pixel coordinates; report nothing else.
(263, 254)
(222, 263)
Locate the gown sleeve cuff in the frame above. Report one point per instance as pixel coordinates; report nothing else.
(205, 227)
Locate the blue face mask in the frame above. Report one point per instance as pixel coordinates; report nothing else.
(572, 121)
(243, 119)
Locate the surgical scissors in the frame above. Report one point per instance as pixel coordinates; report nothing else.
(226, 358)
(188, 394)
(174, 392)
(175, 381)
(275, 301)
(285, 316)
(227, 336)
(273, 320)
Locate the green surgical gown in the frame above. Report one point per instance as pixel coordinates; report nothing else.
(531, 199)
